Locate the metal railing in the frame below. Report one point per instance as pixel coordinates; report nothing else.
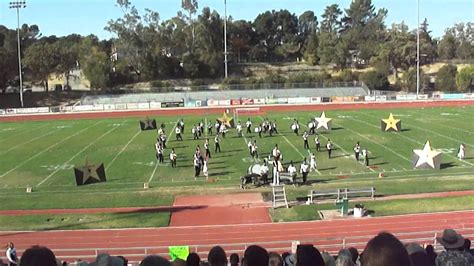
(331, 245)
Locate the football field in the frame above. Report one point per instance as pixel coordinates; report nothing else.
(43, 154)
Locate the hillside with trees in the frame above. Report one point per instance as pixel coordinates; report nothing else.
(342, 44)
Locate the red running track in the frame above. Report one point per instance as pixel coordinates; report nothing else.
(132, 242)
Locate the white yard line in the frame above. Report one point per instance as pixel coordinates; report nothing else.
(77, 154)
(122, 150)
(157, 163)
(407, 138)
(24, 132)
(29, 141)
(45, 150)
(293, 146)
(385, 147)
(436, 133)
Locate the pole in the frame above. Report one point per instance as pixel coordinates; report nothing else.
(225, 38)
(418, 51)
(19, 56)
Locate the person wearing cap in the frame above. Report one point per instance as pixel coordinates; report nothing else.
(455, 254)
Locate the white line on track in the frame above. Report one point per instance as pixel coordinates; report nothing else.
(29, 141)
(122, 150)
(157, 163)
(407, 138)
(77, 154)
(45, 150)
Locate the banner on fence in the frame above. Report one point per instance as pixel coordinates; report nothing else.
(172, 104)
(271, 101)
(380, 98)
(296, 100)
(212, 102)
(282, 100)
(423, 96)
(235, 102)
(452, 96)
(109, 106)
(468, 95)
(259, 101)
(190, 103)
(411, 97)
(155, 105)
(132, 106)
(83, 108)
(224, 102)
(3, 112)
(143, 106)
(315, 99)
(326, 99)
(179, 252)
(247, 101)
(120, 106)
(401, 97)
(369, 98)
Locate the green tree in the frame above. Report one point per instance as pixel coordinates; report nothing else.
(96, 68)
(375, 80)
(447, 46)
(209, 41)
(465, 79)
(408, 81)
(41, 58)
(446, 78)
(8, 67)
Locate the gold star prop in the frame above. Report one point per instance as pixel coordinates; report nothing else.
(323, 122)
(427, 156)
(391, 123)
(89, 174)
(227, 121)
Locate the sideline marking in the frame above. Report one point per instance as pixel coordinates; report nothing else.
(157, 163)
(77, 154)
(123, 149)
(45, 150)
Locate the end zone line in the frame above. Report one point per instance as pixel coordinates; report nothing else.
(122, 150)
(45, 150)
(157, 163)
(77, 154)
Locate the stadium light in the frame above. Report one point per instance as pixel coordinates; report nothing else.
(225, 38)
(17, 5)
(418, 52)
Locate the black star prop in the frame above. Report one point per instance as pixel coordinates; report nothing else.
(89, 174)
(148, 124)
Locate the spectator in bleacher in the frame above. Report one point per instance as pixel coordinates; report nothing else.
(105, 259)
(274, 259)
(11, 254)
(344, 258)
(178, 262)
(234, 259)
(193, 259)
(418, 256)
(308, 255)
(154, 260)
(288, 259)
(455, 254)
(255, 256)
(38, 256)
(431, 254)
(385, 250)
(354, 253)
(467, 246)
(217, 257)
(328, 259)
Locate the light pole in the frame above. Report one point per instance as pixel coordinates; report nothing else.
(418, 52)
(225, 38)
(17, 5)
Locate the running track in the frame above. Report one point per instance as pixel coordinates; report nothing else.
(134, 241)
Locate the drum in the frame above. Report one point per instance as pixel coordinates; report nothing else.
(255, 169)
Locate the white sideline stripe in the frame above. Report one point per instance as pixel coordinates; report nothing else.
(47, 149)
(77, 154)
(408, 138)
(122, 150)
(157, 163)
(24, 143)
(387, 148)
(344, 151)
(25, 132)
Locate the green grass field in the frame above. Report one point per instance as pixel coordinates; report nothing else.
(43, 154)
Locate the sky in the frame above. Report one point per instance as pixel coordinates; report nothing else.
(63, 17)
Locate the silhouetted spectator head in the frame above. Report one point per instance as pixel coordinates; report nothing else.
(178, 262)
(107, 260)
(255, 256)
(451, 240)
(217, 257)
(274, 259)
(467, 244)
(328, 259)
(289, 259)
(344, 258)
(431, 254)
(38, 256)
(154, 260)
(234, 259)
(418, 256)
(354, 253)
(193, 259)
(308, 255)
(385, 250)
